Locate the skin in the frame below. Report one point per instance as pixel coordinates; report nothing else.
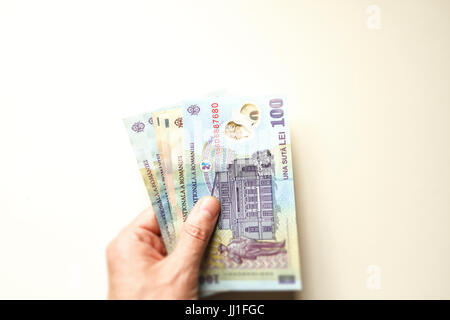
(139, 267)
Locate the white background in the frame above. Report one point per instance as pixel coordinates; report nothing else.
(370, 112)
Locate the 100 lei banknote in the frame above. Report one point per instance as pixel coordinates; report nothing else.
(238, 150)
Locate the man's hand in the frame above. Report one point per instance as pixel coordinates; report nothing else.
(138, 266)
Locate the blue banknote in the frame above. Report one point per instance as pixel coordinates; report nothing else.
(141, 132)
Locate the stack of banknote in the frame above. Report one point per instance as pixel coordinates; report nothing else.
(237, 149)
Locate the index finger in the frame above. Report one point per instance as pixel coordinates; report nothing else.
(147, 220)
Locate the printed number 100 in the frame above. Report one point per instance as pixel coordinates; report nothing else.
(276, 112)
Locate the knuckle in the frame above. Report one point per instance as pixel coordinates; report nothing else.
(195, 231)
(161, 247)
(143, 235)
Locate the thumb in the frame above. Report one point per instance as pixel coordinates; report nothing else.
(196, 231)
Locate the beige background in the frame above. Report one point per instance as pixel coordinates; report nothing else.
(371, 138)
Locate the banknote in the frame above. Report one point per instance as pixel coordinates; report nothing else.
(142, 137)
(239, 150)
(169, 136)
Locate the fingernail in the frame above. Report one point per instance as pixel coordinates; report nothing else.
(210, 205)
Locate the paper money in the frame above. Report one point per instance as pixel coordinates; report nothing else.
(239, 151)
(169, 136)
(142, 138)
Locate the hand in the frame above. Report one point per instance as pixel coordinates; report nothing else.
(139, 267)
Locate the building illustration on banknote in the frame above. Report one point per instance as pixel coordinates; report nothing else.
(245, 192)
